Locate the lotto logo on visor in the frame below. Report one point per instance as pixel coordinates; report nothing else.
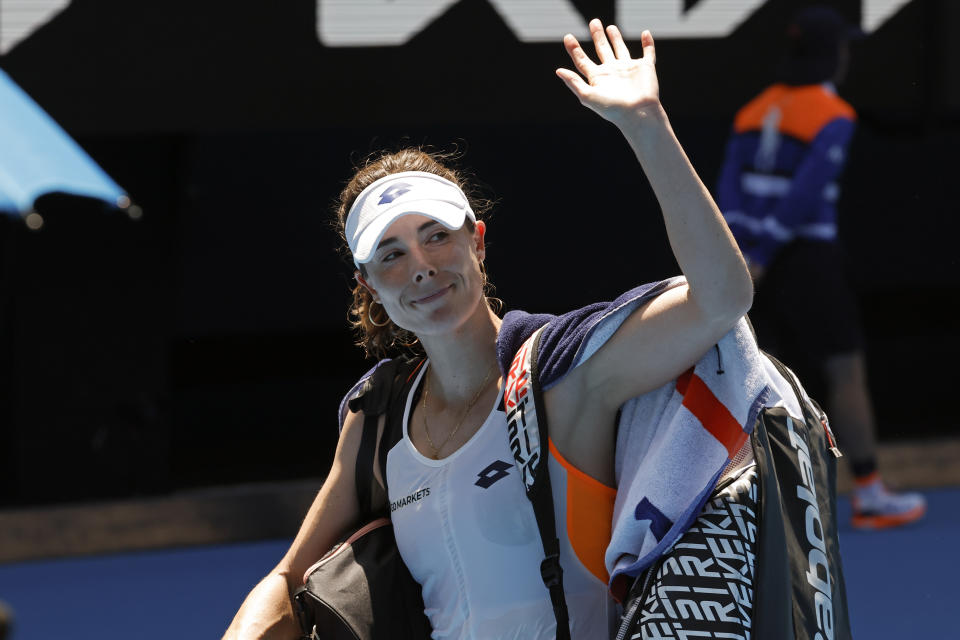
(394, 192)
(396, 195)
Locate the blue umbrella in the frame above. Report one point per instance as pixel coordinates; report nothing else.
(37, 157)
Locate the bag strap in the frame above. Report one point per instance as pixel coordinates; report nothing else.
(529, 441)
(381, 395)
(364, 466)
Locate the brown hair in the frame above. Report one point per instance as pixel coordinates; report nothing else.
(378, 341)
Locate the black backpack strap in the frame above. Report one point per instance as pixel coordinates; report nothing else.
(529, 442)
(404, 379)
(381, 394)
(364, 467)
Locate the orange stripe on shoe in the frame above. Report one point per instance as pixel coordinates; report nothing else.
(804, 111)
(888, 521)
(589, 516)
(715, 418)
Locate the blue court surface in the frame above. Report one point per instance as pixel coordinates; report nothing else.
(900, 583)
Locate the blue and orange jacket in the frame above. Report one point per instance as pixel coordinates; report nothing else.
(778, 180)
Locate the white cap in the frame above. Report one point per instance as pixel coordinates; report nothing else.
(399, 194)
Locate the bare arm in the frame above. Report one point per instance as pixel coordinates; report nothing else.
(663, 338)
(267, 612)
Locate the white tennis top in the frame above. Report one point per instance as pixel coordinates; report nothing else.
(466, 530)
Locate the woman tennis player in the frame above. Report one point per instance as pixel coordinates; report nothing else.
(463, 524)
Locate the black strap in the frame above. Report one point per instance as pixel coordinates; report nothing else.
(381, 394)
(541, 497)
(364, 466)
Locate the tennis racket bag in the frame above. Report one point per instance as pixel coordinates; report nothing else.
(798, 585)
(800, 590)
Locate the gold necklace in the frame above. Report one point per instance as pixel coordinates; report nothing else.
(426, 430)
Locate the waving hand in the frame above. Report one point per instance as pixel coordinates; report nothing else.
(620, 87)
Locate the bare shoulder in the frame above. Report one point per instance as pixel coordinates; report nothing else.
(340, 485)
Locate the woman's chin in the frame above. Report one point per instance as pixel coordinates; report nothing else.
(441, 321)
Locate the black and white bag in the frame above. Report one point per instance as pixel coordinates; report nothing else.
(800, 589)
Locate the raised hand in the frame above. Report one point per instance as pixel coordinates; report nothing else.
(620, 88)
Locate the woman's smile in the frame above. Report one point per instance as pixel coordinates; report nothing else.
(435, 295)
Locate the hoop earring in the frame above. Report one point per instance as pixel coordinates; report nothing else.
(370, 315)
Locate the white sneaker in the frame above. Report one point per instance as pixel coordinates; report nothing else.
(876, 507)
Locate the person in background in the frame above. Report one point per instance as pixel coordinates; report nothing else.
(778, 192)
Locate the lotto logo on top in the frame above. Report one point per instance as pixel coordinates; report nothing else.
(495, 471)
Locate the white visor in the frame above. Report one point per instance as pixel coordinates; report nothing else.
(396, 195)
